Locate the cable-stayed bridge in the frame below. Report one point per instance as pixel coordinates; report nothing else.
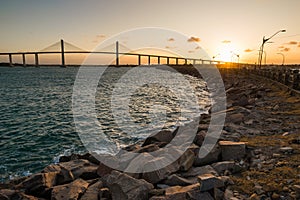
(62, 48)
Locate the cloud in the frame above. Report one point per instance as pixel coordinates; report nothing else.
(299, 45)
(198, 47)
(226, 41)
(293, 43)
(191, 51)
(281, 47)
(194, 39)
(100, 36)
(286, 49)
(248, 50)
(169, 47)
(171, 40)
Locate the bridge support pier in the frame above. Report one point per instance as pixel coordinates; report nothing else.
(10, 60)
(139, 59)
(62, 53)
(36, 59)
(117, 53)
(149, 60)
(176, 61)
(24, 59)
(168, 60)
(158, 60)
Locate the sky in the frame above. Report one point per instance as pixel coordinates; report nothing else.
(222, 28)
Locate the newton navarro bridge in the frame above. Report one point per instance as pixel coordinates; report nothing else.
(289, 76)
(63, 52)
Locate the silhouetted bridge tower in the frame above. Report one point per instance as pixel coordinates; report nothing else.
(52, 49)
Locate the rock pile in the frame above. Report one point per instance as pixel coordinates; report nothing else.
(253, 112)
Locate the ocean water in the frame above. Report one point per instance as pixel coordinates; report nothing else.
(36, 118)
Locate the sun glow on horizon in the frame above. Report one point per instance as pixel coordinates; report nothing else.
(227, 53)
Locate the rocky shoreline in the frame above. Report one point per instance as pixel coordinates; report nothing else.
(256, 157)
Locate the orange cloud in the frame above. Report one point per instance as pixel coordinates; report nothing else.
(281, 47)
(191, 51)
(198, 47)
(226, 41)
(194, 39)
(171, 39)
(299, 45)
(248, 50)
(169, 47)
(286, 49)
(293, 43)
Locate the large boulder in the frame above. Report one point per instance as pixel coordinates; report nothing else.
(81, 169)
(39, 184)
(162, 136)
(209, 181)
(175, 179)
(223, 166)
(93, 192)
(63, 175)
(69, 191)
(232, 150)
(124, 187)
(196, 171)
(186, 160)
(183, 193)
(211, 157)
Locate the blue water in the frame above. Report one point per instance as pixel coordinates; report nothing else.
(36, 119)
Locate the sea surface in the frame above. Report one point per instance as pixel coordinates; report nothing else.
(36, 118)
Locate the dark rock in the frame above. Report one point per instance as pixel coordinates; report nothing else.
(199, 195)
(181, 193)
(90, 157)
(231, 166)
(242, 101)
(6, 194)
(103, 170)
(104, 193)
(228, 194)
(209, 181)
(38, 184)
(63, 175)
(148, 148)
(69, 191)
(232, 150)
(199, 138)
(211, 157)
(93, 191)
(174, 179)
(124, 187)
(157, 192)
(235, 118)
(196, 171)
(218, 194)
(286, 150)
(296, 188)
(186, 160)
(162, 136)
(81, 169)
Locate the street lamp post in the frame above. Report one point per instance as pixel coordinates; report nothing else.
(262, 46)
(283, 58)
